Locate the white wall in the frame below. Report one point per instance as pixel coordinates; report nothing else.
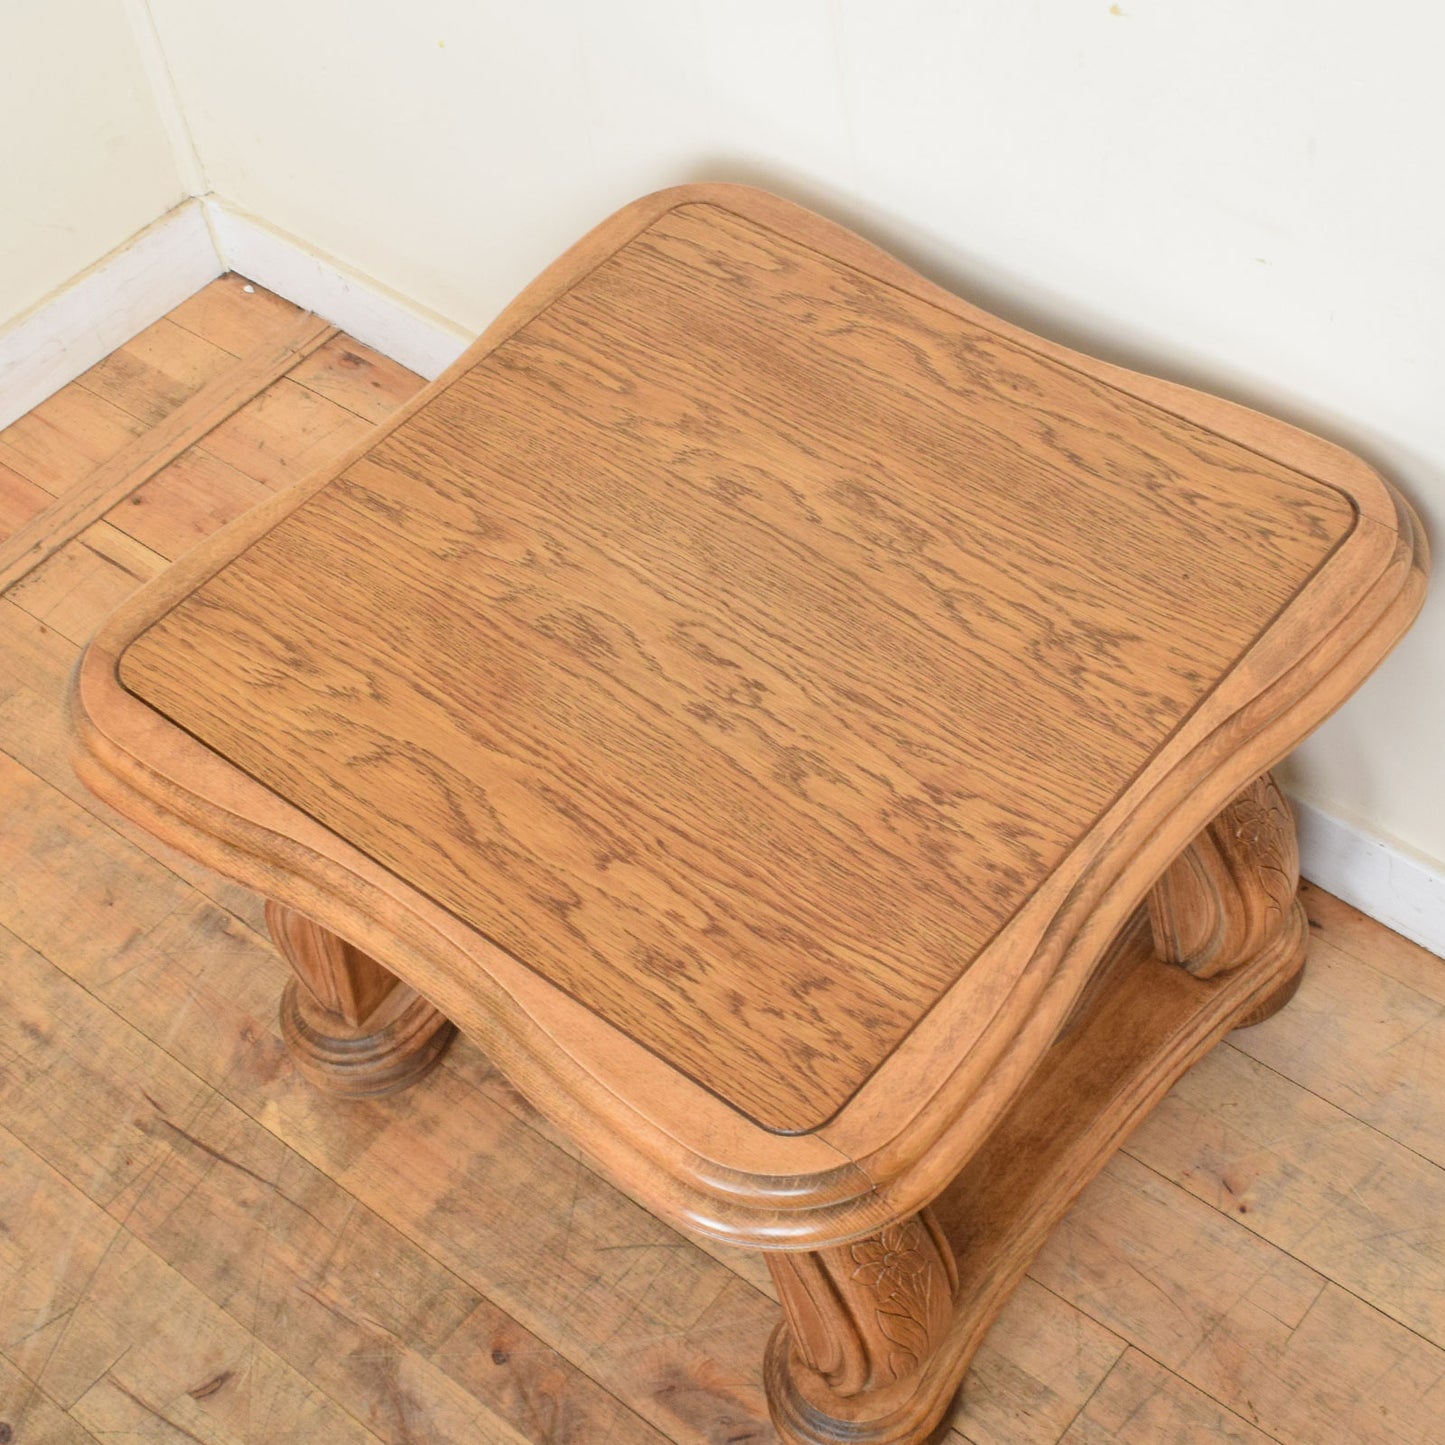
(84, 158)
(1242, 194)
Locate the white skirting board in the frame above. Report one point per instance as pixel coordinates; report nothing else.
(173, 258)
(159, 267)
(1401, 889)
(389, 323)
(103, 307)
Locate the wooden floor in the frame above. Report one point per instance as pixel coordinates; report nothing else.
(195, 1246)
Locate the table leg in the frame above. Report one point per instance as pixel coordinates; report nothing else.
(1233, 894)
(877, 1334)
(862, 1324)
(352, 1028)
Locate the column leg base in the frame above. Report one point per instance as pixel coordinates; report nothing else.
(913, 1418)
(400, 1043)
(1296, 941)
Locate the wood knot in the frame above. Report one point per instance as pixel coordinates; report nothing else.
(204, 1392)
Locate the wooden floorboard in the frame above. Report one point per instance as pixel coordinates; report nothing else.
(190, 401)
(195, 1245)
(66, 438)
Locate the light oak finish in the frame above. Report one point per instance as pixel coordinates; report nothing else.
(351, 1026)
(870, 1314)
(1142, 1023)
(1265, 1233)
(1231, 889)
(1169, 721)
(823, 657)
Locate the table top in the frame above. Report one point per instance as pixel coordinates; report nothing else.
(746, 636)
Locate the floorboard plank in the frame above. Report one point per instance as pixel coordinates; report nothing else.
(184, 503)
(286, 433)
(1141, 1403)
(156, 371)
(20, 500)
(31, 1417)
(81, 583)
(64, 439)
(1039, 1365)
(352, 1305)
(1270, 1339)
(234, 313)
(1369, 1042)
(35, 665)
(78, 1088)
(1040, 1362)
(1311, 1179)
(1361, 938)
(652, 1319)
(90, 498)
(362, 380)
(120, 1341)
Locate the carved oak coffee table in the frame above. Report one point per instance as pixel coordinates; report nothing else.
(810, 733)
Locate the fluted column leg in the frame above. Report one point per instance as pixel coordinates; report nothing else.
(352, 1028)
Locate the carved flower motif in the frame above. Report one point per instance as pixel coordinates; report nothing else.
(891, 1263)
(896, 1267)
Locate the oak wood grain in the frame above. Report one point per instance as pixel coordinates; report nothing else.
(897, 1142)
(361, 1310)
(734, 647)
(800, 678)
(35, 667)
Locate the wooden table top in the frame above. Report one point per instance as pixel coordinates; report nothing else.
(742, 642)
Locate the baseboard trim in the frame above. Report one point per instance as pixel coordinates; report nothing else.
(102, 308)
(362, 308)
(171, 259)
(1400, 889)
